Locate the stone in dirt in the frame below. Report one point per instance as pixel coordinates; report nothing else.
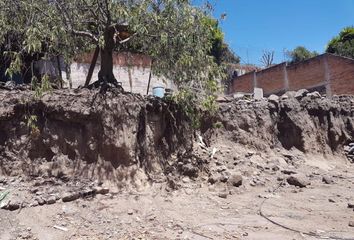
(223, 195)
(41, 201)
(351, 205)
(301, 93)
(351, 224)
(223, 178)
(189, 170)
(235, 180)
(51, 200)
(212, 179)
(288, 172)
(12, 206)
(298, 180)
(289, 94)
(102, 190)
(314, 95)
(327, 180)
(273, 98)
(69, 197)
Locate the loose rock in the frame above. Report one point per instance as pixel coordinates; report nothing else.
(68, 197)
(298, 180)
(235, 180)
(189, 170)
(273, 98)
(223, 195)
(51, 200)
(12, 206)
(102, 190)
(288, 172)
(301, 93)
(314, 95)
(327, 180)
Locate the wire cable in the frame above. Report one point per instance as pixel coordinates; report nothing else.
(311, 234)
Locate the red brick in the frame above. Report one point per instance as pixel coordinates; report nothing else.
(334, 71)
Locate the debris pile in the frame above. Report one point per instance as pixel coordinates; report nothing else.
(21, 192)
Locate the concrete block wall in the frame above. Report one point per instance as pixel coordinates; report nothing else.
(326, 73)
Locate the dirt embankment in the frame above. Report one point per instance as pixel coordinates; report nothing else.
(82, 163)
(117, 136)
(310, 124)
(111, 136)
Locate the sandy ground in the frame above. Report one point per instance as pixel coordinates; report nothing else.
(199, 210)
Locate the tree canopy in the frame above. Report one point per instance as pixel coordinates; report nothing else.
(172, 32)
(220, 50)
(300, 53)
(343, 44)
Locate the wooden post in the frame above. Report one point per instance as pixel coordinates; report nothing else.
(148, 87)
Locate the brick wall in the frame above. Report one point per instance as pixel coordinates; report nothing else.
(326, 73)
(341, 72)
(271, 79)
(307, 74)
(244, 83)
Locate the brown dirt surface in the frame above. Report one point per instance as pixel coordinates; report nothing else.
(120, 166)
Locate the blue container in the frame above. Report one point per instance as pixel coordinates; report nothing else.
(158, 92)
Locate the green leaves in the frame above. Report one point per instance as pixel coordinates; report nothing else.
(178, 37)
(343, 44)
(15, 65)
(300, 53)
(32, 43)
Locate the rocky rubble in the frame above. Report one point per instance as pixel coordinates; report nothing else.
(23, 192)
(349, 151)
(305, 121)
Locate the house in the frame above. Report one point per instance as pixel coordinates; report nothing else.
(327, 73)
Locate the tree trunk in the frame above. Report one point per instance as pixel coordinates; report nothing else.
(106, 71)
(59, 72)
(92, 66)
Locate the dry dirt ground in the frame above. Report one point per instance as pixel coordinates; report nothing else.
(120, 166)
(199, 209)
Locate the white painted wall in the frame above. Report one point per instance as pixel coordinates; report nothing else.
(139, 77)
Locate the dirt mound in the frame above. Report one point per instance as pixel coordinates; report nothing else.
(311, 125)
(127, 138)
(80, 163)
(84, 133)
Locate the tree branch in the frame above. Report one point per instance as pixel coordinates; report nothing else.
(85, 34)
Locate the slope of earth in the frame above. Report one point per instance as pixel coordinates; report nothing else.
(119, 166)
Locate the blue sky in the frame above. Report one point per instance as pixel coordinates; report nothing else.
(252, 26)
